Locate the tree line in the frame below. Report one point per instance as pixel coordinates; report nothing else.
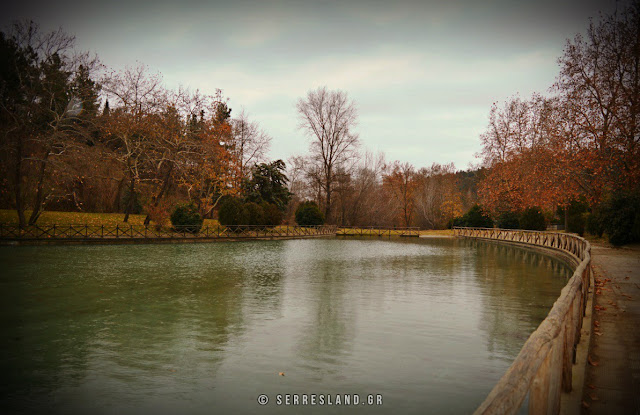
(576, 151)
(77, 136)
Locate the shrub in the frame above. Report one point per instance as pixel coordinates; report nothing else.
(232, 212)
(272, 215)
(576, 216)
(186, 217)
(508, 220)
(255, 214)
(476, 218)
(621, 218)
(533, 219)
(576, 223)
(158, 214)
(595, 223)
(455, 222)
(309, 214)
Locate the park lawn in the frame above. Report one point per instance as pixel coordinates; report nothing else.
(10, 217)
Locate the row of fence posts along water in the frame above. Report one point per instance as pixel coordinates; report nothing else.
(118, 231)
(543, 368)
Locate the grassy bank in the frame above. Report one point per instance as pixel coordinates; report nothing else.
(10, 217)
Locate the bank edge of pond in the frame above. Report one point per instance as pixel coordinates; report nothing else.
(144, 241)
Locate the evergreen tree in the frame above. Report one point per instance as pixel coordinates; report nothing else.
(268, 183)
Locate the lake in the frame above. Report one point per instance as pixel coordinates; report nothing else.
(423, 325)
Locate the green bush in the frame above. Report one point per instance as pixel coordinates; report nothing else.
(474, 218)
(255, 214)
(595, 222)
(186, 217)
(576, 216)
(272, 215)
(621, 217)
(533, 219)
(232, 212)
(576, 223)
(508, 220)
(309, 214)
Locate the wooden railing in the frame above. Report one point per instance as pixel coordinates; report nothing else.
(117, 232)
(373, 231)
(543, 368)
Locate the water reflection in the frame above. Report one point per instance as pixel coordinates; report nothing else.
(510, 280)
(430, 324)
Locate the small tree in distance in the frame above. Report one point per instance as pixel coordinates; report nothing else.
(232, 212)
(533, 219)
(186, 217)
(309, 214)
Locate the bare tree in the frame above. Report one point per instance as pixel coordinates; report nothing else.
(329, 118)
(249, 143)
(138, 97)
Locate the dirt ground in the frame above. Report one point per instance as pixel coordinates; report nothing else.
(613, 372)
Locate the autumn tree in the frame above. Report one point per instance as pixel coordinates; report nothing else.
(176, 138)
(531, 164)
(211, 171)
(136, 97)
(580, 143)
(599, 83)
(329, 117)
(401, 182)
(438, 197)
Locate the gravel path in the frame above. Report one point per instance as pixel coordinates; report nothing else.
(613, 372)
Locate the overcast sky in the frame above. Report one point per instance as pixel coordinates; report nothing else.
(423, 74)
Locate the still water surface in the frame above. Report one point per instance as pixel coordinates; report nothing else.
(429, 324)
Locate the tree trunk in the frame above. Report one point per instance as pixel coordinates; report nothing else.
(118, 197)
(129, 206)
(39, 200)
(327, 208)
(163, 189)
(18, 185)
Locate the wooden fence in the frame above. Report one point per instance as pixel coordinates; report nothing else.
(373, 231)
(141, 232)
(543, 368)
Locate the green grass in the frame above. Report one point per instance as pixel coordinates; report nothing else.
(437, 232)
